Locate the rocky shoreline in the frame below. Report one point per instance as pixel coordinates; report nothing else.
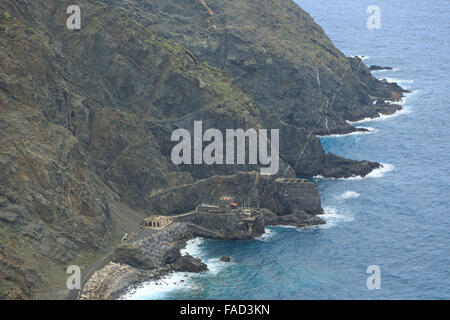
(153, 253)
(158, 255)
(152, 257)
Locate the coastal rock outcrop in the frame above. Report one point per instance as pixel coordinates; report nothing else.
(188, 263)
(339, 167)
(375, 68)
(156, 248)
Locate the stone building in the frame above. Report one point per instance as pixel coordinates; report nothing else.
(157, 222)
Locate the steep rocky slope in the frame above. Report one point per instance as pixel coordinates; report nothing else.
(277, 54)
(86, 116)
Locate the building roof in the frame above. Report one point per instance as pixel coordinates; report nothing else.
(156, 218)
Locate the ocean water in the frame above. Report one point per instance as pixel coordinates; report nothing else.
(398, 218)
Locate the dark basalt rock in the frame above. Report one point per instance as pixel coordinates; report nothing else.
(225, 259)
(374, 67)
(337, 167)
(187, 263)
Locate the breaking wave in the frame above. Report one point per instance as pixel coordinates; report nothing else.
(379, 172)
(402, 102)
(376, 173)
(355, 133)
(385, 116)
(348, 195)
(158, 289)
(332, 217)
(194, 248)
(178, 281)
(385, 70)
(268, 234)
(363, 57)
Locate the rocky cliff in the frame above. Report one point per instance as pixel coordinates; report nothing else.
(276, 53)
(86, 118)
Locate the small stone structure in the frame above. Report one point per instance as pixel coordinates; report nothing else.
(249, 221)
(157, 222)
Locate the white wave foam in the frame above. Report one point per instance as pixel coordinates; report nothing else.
(385, 70)
(379, 172)
(268, 234)
(381, 117)
(287, 227)
(355, 133)
(332, 217)
(348, 195)
(193, 248)
(157, 289)
(363, 57)
(376, 173)
(402, 100)
(215, 265)
(176, 281)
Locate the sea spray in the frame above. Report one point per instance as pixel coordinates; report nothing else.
(348, 195)
(368, 130)
(268, 234)
(376, 173)
(158, 289)
(332, 217)
(178, 281)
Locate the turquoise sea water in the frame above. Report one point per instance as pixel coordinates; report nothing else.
(398, 219)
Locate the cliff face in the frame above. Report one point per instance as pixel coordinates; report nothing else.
(276, 53)
(86, 117)
(282, 196)
(284, 61)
